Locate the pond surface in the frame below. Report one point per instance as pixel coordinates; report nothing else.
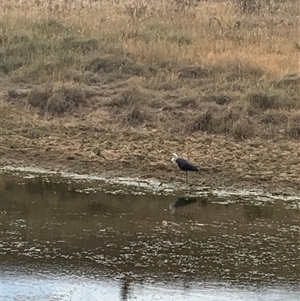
(64, 240)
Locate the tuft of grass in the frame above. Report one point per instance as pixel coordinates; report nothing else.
(3, 115)
(110, 64)
(260, 6)
(128, 99)
(293, 130)
(15, 94)
(273, 117)
(193, 72)
(74, 44)
(214, 119)
(51, 27)
(35, 132)
(263, 101)
(57, 101)
(266, 101)
(244, 128)
(135, 117)
(240, 71)
(206, 120)
(220, 99)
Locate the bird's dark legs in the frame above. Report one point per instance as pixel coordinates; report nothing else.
(187, 177)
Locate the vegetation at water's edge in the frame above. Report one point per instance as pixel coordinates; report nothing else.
(221, 67)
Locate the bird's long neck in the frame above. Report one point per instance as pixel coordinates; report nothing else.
(175, 157)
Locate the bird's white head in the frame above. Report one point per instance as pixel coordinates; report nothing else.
(175, 157)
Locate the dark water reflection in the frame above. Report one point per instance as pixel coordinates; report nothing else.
(199, 247)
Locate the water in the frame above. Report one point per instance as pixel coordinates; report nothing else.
(65, 240)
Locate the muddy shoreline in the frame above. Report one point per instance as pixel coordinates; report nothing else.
(227, 171)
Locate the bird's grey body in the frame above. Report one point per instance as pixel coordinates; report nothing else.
(184, 165)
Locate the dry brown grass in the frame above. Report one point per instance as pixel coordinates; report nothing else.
(188, 66)
(155, 32)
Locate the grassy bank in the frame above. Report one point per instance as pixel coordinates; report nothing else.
(220, 67)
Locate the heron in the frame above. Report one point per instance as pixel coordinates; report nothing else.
(183, 165)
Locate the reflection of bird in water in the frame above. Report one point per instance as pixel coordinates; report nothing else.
(181, 202)
(183, 165)
(125, 288)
